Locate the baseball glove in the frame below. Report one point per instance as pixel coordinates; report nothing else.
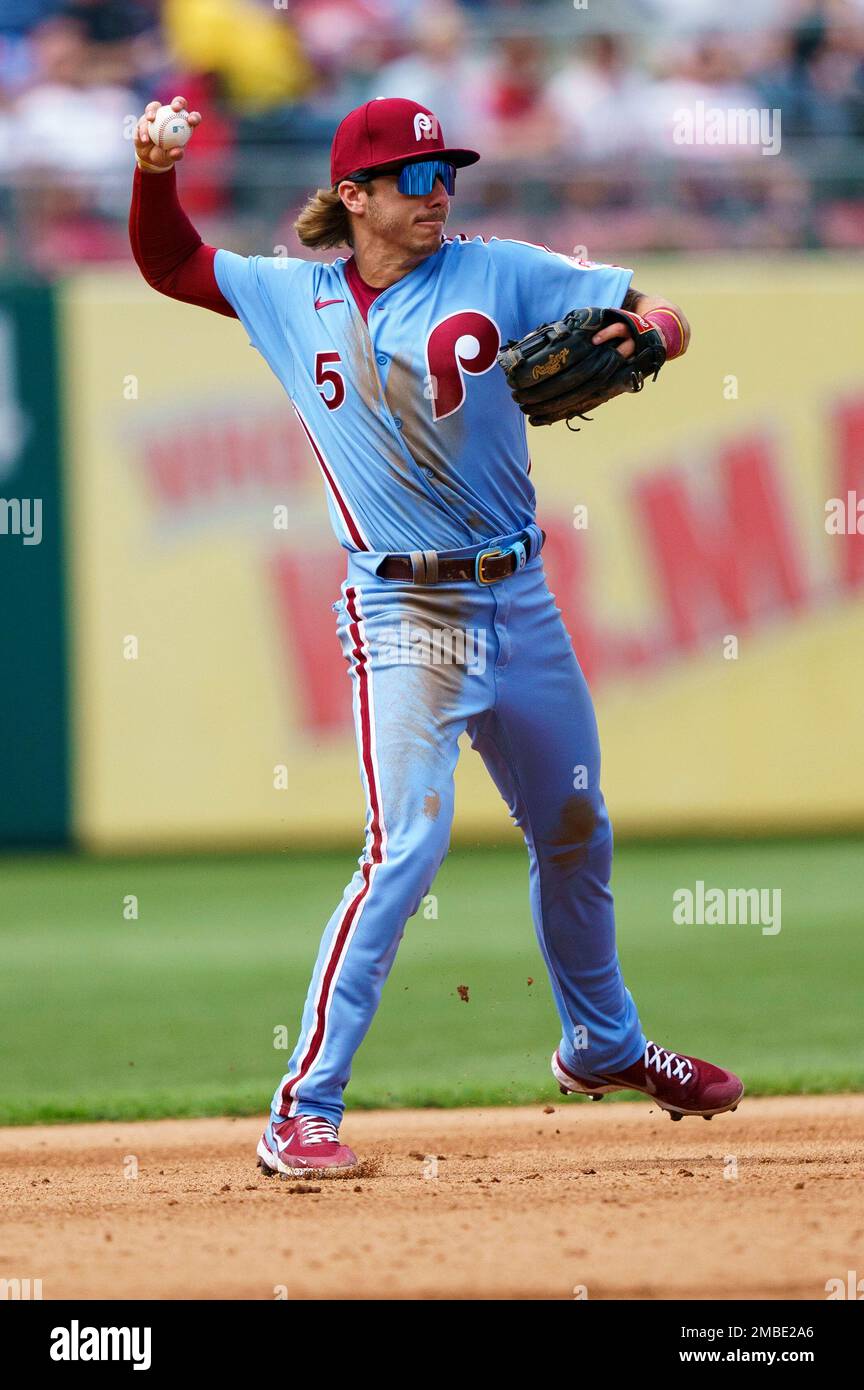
(556, 372)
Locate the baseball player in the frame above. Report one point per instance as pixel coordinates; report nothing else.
(389, 356)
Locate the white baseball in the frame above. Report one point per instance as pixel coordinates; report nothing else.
(170, 128)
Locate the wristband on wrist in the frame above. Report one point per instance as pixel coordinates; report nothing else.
(671, 329)
(153, 168)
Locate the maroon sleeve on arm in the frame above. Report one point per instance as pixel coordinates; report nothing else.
(168, 251)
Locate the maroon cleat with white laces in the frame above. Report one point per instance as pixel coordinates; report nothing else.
(680, 1084)
(304, 1146)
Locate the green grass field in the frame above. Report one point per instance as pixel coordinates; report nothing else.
(174, 1014)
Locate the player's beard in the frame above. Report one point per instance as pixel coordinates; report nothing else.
(402, 230)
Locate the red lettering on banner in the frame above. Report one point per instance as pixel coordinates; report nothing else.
(719, 565)
(166, 470)
(601, 651)
(849, 433)
(305, 588)
(200, 461)
(565, 560)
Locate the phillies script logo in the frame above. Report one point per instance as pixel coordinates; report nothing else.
(464, 342)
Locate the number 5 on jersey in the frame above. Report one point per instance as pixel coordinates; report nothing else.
(327, 377)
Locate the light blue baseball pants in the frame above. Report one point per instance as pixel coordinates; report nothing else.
(501, 667)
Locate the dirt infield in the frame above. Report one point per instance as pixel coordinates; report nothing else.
(517, 1204)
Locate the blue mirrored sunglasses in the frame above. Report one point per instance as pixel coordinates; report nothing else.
(416, 180)
(419, 179)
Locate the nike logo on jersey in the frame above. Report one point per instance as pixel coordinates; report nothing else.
(322, 303)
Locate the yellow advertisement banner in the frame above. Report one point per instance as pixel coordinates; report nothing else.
(703, 545)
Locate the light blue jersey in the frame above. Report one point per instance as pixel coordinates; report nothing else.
(410, 417)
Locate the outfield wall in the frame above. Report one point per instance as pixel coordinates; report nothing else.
(719, 623)
(34, 731)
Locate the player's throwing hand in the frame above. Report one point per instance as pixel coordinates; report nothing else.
(152, 154)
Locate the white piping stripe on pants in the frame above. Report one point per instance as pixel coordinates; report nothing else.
(364, 713)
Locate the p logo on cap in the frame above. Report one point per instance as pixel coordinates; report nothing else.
(424, 126)
(385, 131)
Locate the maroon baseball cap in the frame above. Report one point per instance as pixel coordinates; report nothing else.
(388, 129)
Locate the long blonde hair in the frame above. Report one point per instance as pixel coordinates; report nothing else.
(324, 221)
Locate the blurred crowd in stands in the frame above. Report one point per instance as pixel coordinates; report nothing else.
(575, 113)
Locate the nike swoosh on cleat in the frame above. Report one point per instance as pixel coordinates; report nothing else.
(322, 303)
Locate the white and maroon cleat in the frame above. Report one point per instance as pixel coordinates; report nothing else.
(303, 1146)
(680, 1084)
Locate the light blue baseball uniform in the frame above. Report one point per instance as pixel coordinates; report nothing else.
(422, 448)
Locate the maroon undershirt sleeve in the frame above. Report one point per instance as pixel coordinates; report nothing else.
(169, 252)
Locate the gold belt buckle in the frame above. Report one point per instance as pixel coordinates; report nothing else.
(478, 566)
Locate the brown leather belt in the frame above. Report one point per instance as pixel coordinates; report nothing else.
(484, 564)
